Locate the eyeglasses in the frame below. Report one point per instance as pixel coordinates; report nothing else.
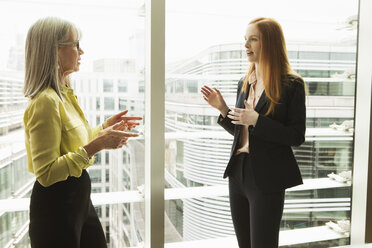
(75, 43)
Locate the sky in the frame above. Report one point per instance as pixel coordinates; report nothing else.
(191, 25)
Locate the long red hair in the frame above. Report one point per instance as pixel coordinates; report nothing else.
(273, 60)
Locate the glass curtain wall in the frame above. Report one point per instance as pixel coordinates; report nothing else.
(109, 81)
(205, 45)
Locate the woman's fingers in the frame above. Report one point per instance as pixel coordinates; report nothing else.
(130, 126)
(123, 134)
(118, 125)
(233, 117)
(132, 123)
(131, 118)
(237, 110)
(204, 92)
(218, 92)
(124, 141)
(123, 126)
(122, 113)
(209, 89)
(206, 88)
(237, 122)
(236, 114)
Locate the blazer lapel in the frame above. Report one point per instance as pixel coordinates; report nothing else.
(240, 104)
(261, 102)
(243, 96)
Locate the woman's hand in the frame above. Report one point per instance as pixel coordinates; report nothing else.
(214, 98)
(128, 121)
(112, 137)
(246, 116)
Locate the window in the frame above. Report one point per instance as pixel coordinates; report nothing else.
(107, 157)
(108, 85)
(342, 56)
(98, 120)
(99, 211)
(192, 86)
(216, 57)
(141, 87)
(122, 104)
(97, 158)
(107, 176)
(98, 103)
(96, 93)
(304, 55)
(95, 175)
(109, 103)
(122, 86)
(199, 149)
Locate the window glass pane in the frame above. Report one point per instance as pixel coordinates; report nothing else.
(113, 60)
(122, 103)
(122, 86)
(98, 103)
(107, 157)
(108, 85)
(109, 103)
(95, 175)
(321, 50)
(141, 86)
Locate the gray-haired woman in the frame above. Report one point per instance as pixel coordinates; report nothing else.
(60, 143)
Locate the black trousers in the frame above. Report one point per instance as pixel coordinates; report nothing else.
(256, 215)
(62, 215)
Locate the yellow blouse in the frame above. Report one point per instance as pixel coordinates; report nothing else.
(55, 131)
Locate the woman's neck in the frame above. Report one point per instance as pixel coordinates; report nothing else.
(62, 79)
(258, 72)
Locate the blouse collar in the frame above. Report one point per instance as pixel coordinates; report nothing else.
(66, 90)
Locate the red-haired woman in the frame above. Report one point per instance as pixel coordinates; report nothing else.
(268, 118)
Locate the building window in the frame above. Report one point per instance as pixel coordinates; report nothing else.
(122, 86)
(97, 158)
(99, 211)
(95, 175)
(141, 86)
(108, 85)
(109, 103)
(122, 104)
(107, 175)
(98, 120)
(107, 157)
(98, 103)
(192, 86)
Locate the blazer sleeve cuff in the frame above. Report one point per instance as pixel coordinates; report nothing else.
(223, 121)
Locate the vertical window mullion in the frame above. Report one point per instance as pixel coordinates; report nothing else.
(361, 226)
(154, 123)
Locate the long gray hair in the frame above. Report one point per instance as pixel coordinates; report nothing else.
(41, 55)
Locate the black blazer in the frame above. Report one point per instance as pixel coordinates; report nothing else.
(270, 141)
